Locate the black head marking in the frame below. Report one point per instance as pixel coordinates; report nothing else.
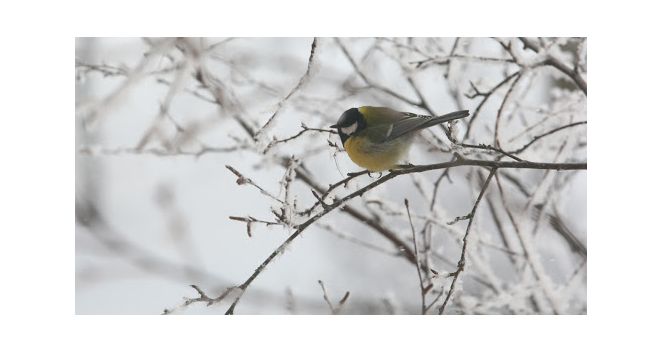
(350, 117)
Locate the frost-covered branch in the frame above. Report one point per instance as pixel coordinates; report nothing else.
(395, 173)
(555, 62)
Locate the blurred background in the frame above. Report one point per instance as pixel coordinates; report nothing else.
(159, 119)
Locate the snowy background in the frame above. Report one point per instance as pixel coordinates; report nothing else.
(152, 211)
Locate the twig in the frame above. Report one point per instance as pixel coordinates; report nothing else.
(221, 98)
(241, 179)
(423, 290)
(555, 62)
(447, 60)
(334, 309)
(202, 298)
(371, 83)
(462, 258)
(250, 220)
(320, 199)
(536, 138)
(87, 150)
(515, 181)
(496, 140)
(455, 46)
(556, 222)
(491, 148)
(501, 230)
(487, 95)
(437, 183)
(402, 248)
(102, 68)
(357, 241)
(304, 129)
(536, 268)
(300, 83)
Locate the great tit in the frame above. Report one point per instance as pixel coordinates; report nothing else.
(377, 138)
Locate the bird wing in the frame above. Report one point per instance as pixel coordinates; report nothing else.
(412, 122)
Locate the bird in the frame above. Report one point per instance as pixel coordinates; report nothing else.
(378, 138)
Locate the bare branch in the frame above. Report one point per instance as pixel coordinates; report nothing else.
(446, 60)
(487, 95)
(334, 309)
(87, 150)
(527, 250)
(496, 140)
(320, 199)
(555, 62)
(423, 290)
(202, 298)
(537, 137)
(391, 175)
(241, 179)
(437, 183)
(250, 220)
(462, 258)
(304, 129)
(370, 82)
(300, 83)
(351, 239)
(491, 148)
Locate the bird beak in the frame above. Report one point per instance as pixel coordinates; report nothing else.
(333, 126)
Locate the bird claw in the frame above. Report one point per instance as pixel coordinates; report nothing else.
(369, 174)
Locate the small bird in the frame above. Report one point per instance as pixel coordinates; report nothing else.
(377, 138)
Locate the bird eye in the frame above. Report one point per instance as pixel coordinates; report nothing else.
(350, 129)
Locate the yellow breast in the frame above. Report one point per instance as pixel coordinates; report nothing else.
(374, 161)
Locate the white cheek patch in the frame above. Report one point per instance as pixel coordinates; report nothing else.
(350, 129)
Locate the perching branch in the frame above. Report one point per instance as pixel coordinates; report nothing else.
(395, 173)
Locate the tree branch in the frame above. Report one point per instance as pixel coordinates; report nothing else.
(389, 176)
(334, 309)
(555, 62)
(536, 138)
(462, 258)
(487, 95)
(300, 83)
(423, 290)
